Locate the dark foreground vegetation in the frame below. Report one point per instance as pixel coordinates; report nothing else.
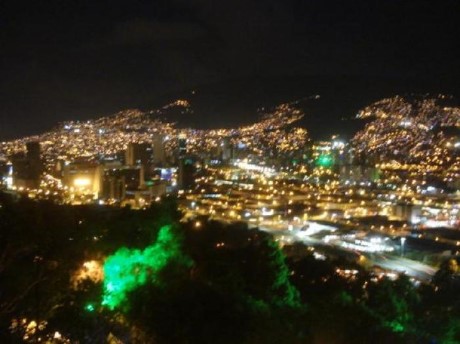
(228, 284)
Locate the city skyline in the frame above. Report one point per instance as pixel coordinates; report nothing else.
(245, 171)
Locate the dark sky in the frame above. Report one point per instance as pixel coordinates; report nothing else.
(78, 59)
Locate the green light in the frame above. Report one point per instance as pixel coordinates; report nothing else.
(129, 269)
(89, 307)
(325, 160)
(285, 294)
(396, 326)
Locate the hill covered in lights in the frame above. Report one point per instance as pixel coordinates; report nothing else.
(422, 131)
(106, 136)
(412, 130)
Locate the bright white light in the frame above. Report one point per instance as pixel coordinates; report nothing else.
(253, 167)
(338, 144)
(363, 246)
(9, 182)
(319, 256)
(267, 212)
(80, 182)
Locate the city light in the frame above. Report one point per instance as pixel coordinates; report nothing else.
(82, 182)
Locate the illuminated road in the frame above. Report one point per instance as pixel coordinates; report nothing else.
(415, 269)
(411, 268)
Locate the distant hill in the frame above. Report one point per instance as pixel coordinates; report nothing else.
(232, 103)
(236, 102)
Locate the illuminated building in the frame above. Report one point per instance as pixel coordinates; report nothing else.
(83, 178)
(407, 212)
(182, 145)
(227, 149)
(5, 174)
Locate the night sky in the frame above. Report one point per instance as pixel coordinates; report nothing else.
(77, 59)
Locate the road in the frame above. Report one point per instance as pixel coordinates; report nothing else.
(412, 268)
(393, 262)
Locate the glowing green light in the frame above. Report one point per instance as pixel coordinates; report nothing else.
(325, 160)
(396, 326)
(285, 294)
(89, 307)
(128, 269)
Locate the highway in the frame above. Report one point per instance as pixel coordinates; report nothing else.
(388, 261)
(412, 268)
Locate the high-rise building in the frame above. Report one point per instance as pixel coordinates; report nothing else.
(138, 154)
(34, 160)
(33, 150)
(158, 149)
(113, 186)
(227, 149)
(28, 167)
(4, 173)
(182, 146)
(122, 183)
(186, 174)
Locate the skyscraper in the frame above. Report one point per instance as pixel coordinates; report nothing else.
(186, 173)
(33, 150)
(138, 154)
(28, 167)
(182, 146)
(227, 149)
(158, 149)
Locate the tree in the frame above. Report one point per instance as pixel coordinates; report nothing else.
(393, 303)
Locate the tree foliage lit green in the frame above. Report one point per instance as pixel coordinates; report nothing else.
(128, 269)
